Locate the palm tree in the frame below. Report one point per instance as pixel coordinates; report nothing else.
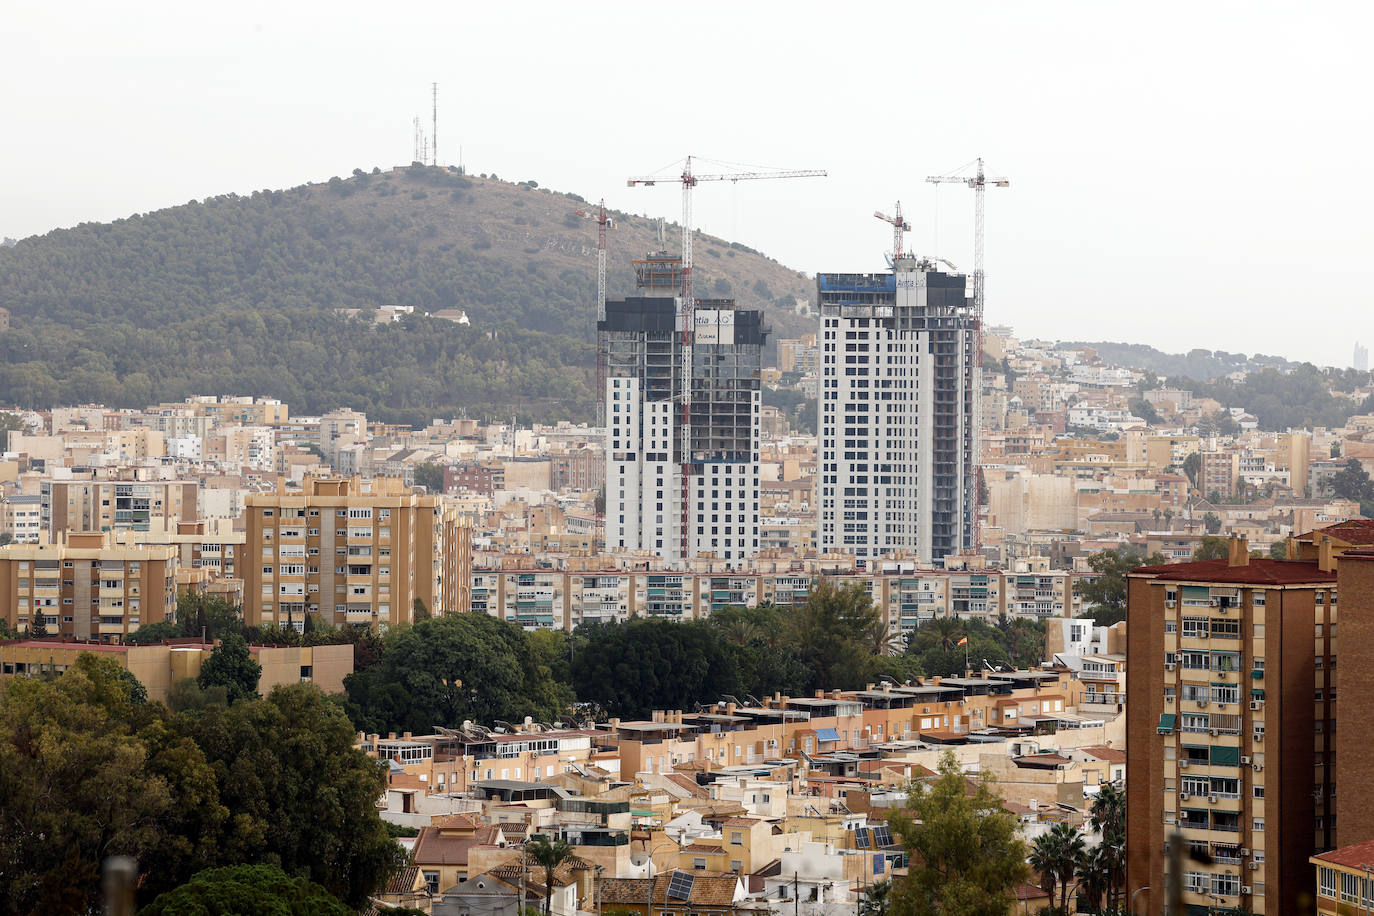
(1044, 861)
(947, 631)
(1095, 873)
(549, 856)
(1108, 817)
(1069, 849)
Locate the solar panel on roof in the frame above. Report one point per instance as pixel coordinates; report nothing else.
(882, 836)
(680, 886)
(861, 838)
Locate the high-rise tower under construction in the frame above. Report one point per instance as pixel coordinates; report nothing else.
(680, 483)
(898, 424)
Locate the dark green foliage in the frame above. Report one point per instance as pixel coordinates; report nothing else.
(1212, 522)
(38, 627)
(301, 795)
(443, 670)
(1200, 364)
(430, 476)
(635, 667)
(1352, 482)
(1191, 465)
(246, 890)
(1299, 398)
(548, 855)
(800, 409)
(1278, 550)
(231, 665)
(1145, 410)
(765, 652)
(1108, 589)
(965, 849)
(1212, 548)
(1013, 642)
(834, 635)
(1105, 616)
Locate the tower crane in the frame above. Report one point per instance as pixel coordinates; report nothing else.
(603, 222)
(979, 182)
(689, 180)
(900, 228)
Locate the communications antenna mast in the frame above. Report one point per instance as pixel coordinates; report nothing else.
(434, 122)
(689, 180)
(900, 228)
(979, 182)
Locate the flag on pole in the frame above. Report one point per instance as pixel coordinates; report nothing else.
(962, 642)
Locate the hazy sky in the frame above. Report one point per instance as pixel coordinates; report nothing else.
(1183, 174)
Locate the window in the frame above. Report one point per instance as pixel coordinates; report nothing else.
(1326, 880)
(432, 881)
(1258, 825)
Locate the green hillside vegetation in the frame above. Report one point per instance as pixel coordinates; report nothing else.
(1299, 398)
(240, 294)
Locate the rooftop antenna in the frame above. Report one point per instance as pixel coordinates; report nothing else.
(434, 123)
(418, 134)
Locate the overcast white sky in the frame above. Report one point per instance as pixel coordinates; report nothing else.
(1183, 174)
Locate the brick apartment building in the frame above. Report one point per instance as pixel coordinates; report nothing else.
(1231, 738)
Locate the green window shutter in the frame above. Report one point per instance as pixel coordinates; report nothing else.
(1167, 721)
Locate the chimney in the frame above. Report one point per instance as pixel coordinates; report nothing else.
(1326, 556)
(730, 709)
(1239, 552)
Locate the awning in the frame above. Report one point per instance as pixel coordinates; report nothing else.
(1257, 674)
(1257, 693)
(1226, 756)
(827, 734)
(1167, 721)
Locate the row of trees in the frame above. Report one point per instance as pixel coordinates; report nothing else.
(444, 670)
(89, 769)
(1064, 861)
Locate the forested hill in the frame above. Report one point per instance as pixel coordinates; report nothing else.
(238, 294)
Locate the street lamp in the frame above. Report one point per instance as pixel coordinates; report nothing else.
(1130, 907)
(649, 907)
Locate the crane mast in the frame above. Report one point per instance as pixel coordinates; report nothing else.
(979, 182)
(900, 227)
(689, 180)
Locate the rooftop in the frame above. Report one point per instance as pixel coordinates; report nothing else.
(1258, 571)
(1354, 856)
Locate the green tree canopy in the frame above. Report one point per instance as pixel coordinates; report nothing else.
(231, 665)
(246, 890)
(832, 632)
(966, 852)
(1108, 588)
(430, 476)
(635, 667)
(303, 797)
(443, 670)
(1212, 548)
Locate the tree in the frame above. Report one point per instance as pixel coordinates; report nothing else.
(1145, 410)
(635, 667)
(1278, 550)
(831, 631)
(1191, 466)
(38, 625)
(1108, 588)
(1108, 818)
(1056, 856)
(1352, 482)
(231, 666)
(1212, 548)
(965, 849)
(548, 856)
(442, 670)
(247, 890)
(86, 772)
(419, 611)
(1336, 449)
(301, 794)
(430, 476)
(875, 899)
(1212, 522)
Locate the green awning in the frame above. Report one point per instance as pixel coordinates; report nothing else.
(1167, 721)
(1257, 693)
(1257, 674)
(1226, 756)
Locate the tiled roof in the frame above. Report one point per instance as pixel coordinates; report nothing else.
(432, 848)
(404, 881)
(1109, 754)
(1349, 856)
(1354, 531)
(1258, 571)
(708, 890)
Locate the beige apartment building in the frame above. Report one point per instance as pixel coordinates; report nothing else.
(88, 504)
(88, 588)
(353, 552)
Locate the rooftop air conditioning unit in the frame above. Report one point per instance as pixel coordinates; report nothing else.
(1257, 767)
(1245, 888)
(1254, 866)
(1184, 796)
(1244, 760)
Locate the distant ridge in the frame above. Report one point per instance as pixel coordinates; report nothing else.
(240, 294)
